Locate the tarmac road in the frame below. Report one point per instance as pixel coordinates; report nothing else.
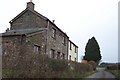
(101, 75)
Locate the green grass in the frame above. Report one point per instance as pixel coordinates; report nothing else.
(116, 73)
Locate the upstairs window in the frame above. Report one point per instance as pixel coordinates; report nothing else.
(53, 33)
(37, 49)
(75, 49)
(63, 40)
(70, 46)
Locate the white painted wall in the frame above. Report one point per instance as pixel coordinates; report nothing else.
(72, 52)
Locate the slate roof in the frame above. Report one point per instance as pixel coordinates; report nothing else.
(23, 31)
(39, 15)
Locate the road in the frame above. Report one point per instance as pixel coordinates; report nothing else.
(101, 75)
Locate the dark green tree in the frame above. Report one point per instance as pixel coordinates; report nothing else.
(92, 51)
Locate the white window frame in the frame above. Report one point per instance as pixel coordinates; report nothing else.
(63, 40)
(53, 33)
(37, 49)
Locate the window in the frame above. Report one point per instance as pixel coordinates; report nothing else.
(37, 49)
(63, 40)
(75, 49)
(63, 56)
(58, 55)
(75, 59)
(53, 33)
(5, 52)
(70, 46)
(52, 53)
(70, 57)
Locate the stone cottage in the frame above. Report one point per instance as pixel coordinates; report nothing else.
(33, 29)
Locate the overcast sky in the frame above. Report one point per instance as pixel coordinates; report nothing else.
(80, 19)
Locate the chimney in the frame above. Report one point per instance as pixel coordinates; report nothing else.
(30, 5)
(7, 29)
(53, 21)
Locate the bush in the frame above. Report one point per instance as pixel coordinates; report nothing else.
(81, 67)
(119, 66)
(112, 67)
(23, 63)
(58, 65)
(93, 64)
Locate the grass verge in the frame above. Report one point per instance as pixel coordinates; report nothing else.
(87, 74)
(116, 73)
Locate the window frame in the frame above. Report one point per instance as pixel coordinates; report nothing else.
(70, 57)
(53, 33)
(63, 56)
(58, 55)
(70, 46)
(75, 49)
(75, 59)
(37, 49)
(52, 53)
(63, 40)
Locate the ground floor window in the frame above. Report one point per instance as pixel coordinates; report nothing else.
(63, 56)
(58, 55)
(70, 57)
(37, 49)
(75, 59)
(52, 53)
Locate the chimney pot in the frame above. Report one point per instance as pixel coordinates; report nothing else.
(7, 29)
(53, 21)
(30, 5)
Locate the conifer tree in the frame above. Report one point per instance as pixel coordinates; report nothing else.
(92, 51)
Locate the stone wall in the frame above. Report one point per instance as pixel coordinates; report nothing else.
(15, 47)
(28, 20)
(11, 47)
(37, 39)
(56, 44)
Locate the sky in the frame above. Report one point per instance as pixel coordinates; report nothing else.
(80, 19)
